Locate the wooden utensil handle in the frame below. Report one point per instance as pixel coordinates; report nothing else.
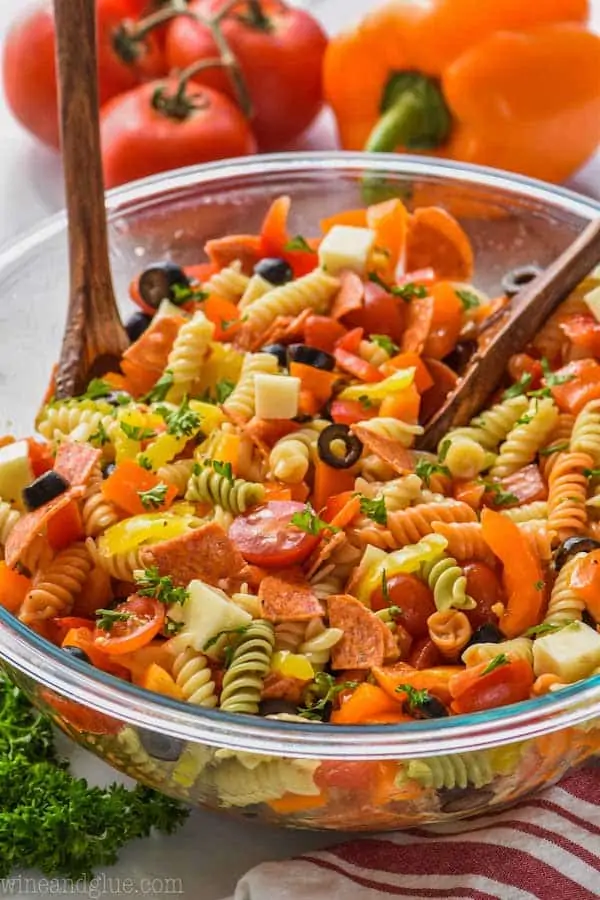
(534, 304)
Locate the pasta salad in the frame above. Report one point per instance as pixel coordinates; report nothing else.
(241, 517)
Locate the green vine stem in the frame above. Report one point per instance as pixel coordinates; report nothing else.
(180, 105)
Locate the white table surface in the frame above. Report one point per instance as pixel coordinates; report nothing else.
(211, 852)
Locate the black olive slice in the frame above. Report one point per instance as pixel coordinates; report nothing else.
(353, 447)
(461, 356)
(275, 271)
(517, 278)
(430, 708)
(77, 653)
(279, 351)
(311, 356)
(43, 489)
(156, 283)
(276, 707)
(160, 746)
(486, 634)
(570, 547)
(136, 325)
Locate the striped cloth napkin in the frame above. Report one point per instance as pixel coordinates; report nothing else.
(547, 848)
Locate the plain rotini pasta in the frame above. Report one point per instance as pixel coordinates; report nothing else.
(8, 519)
(97, 512)
(292, 455)
(517, 648)
(397, 493)
(461, 770)
(450, 631)
(492, 426)
(465, 540)
(312, 291)
(234, 495)
(257, 287)
(558, 441)
(528, 512)
(409, 525)
(289, 635)
(240, 402)
(247, 601)
(229, 283)
(318, 643)
(118, 565)
(190, 349)
(564, 604)
(567, 493)
(75, 419)
(328, 580)
(448, 583)
(585, 437)
(525, 439)
(194, 676)
(540, 536)
(237, 785)
(394, 429)
(465, 458)
(177, 473)
(243, 680)
(139, 762)
(55, 589)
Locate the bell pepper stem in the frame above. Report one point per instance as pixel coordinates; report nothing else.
(397, 125)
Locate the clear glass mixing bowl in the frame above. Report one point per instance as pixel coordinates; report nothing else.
(362, 778)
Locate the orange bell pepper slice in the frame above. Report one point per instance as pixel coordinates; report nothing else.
(404, 405)
(65, 527)
(368, 703)
(389, 220)
(81, 637)
(423, 380)
(13, 588)
(224, 315)
(129, 482)
(522, 575)
(354, 218)
(580, 383)
(158, 680)
(446, 322)
(223, 251)
(295, 803)
(329, 481)
(436, 239)
(138, 661)
(436, 679)
(317, 381)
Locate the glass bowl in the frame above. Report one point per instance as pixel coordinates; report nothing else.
(291, 774)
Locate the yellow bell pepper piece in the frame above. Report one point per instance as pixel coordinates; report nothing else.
(378, 391)
(406, 560)
(150, 527)
(292, 665)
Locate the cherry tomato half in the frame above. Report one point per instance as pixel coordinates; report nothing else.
(413, 597)
(145, 618)
(484, 586)
(475, 689)
(381, 313)
(267, 538)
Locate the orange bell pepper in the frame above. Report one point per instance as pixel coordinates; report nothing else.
(274, 239)
(579, 382)
(317, 381)
(404, 405)
(389, 221)
(158, 680)
(13, 588)
(224, 315)
(452, 77)
(436, 680)
(330, 481)
(446, 322)
(423, 380)
(522, 576)
(369, 704)
(585, 582)
(65, 527)
(128, 482)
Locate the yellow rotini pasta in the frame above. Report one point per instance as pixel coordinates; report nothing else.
(229, 283)
(186, 359)
(312, 291)
(193, 675)
(492, 426)
(240, 402)
(177, 473)
(292, 455)
(564, 604)
(528, 435)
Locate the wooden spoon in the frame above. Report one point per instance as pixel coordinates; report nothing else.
(94, 337)
(534, 304)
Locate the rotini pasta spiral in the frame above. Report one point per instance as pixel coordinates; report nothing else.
(528, 512)
(177, 473)
(564, 604)
(118, 565)
(567, 492)
(233, 495)
(517, 648)
(328, 580)
(289, 635)
(394, 429)
(56, 588)
(491, 427)
(240, 402)
(243, 680)
(292, 454)
(465, 540)
(476, 768)
(365, 533)
(408, 526)
(237, 785)
(540, 537)
(448, 583)
(373, 353)
(8, 519)
(312, 291)
(230, 283)
(75, 420)
(465, 458)
(98, 513)
(585, 437)
(193, 675)
(560, 438)
(318, 643)
(187, 356)
(257, 287)
(450, 631)
(397, 493)
(526, 438)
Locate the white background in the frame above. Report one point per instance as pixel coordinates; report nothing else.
(211, 852)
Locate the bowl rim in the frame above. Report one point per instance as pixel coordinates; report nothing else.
(32, 655)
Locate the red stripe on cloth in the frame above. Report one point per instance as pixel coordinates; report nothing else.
(395, 890)
(584, 785)
(505, 864)
(561, 811)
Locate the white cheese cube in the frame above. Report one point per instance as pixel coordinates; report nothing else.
(167, 308)
(205, 613)
(276, 396)
(592, 299)
(346, 247)
(15, 472)
(571, 653)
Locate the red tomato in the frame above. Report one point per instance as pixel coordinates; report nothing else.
(484, 586)
(40, 456)
(474, 690)
(349, 412)
(424, 654)
(381, 313)
(267, 538)
(323, 332)
(29, 69)
(522, 364)
(280, 60)
(413, 597)
(526, 485)
(138, 139)
(335, 773)
(583, 331)
(145, 618)
(356, 366)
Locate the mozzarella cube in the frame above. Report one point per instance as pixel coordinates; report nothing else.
(15, 472)
(276, 396)
(167, 308)
(592, 299)
(346, 247)
(571, 653)
(206, 612)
